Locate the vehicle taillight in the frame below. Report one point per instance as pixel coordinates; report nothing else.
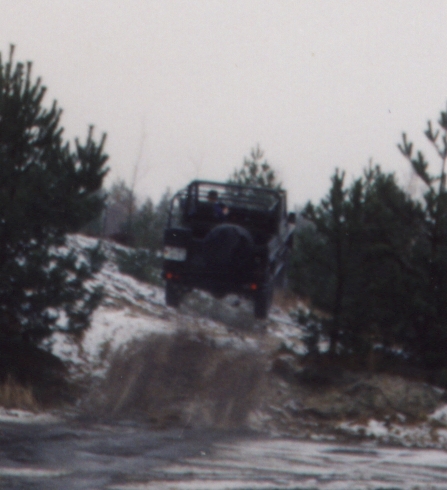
(170, 275)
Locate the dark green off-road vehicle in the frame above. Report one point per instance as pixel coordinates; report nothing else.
(225, 238)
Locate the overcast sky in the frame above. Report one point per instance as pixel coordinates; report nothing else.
(187, 87)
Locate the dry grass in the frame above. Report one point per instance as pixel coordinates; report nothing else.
(15, 395)
(286, 299)
(184, 379)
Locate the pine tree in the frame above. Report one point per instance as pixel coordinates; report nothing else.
(120, 212)
(256, 172)
(429, 325)
(47, 189)
(329, 222)
(383, 222)
(354, 262)
(149, 223)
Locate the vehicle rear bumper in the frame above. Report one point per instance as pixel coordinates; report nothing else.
(218, 285)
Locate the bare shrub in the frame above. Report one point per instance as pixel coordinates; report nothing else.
(15, 395)
(181, 379)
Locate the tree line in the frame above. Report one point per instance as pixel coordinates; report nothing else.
(372, 261)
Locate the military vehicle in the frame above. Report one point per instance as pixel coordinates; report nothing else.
(227, 238)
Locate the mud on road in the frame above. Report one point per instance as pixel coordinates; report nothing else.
(76, 455)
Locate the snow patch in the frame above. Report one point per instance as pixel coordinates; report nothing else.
(26, 417)
(440, 415)
(31, 473)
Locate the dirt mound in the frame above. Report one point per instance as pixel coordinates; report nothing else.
(371, 396)
(330, 395)
(182, 379)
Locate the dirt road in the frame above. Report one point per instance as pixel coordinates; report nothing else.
(74, 455)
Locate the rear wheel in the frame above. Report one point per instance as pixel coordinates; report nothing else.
(263, 300)
(173, 295)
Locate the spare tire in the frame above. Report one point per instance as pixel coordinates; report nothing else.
(228, 250)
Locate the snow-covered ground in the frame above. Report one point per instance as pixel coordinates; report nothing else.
(134, 310)
(131, 309)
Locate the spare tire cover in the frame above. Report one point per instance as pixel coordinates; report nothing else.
(228, 249)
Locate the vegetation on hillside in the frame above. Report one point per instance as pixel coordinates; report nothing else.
(373, 259)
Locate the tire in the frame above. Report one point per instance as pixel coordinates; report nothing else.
(262, 301)
(173, 296)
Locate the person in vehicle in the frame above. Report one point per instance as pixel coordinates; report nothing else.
(220, 210)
